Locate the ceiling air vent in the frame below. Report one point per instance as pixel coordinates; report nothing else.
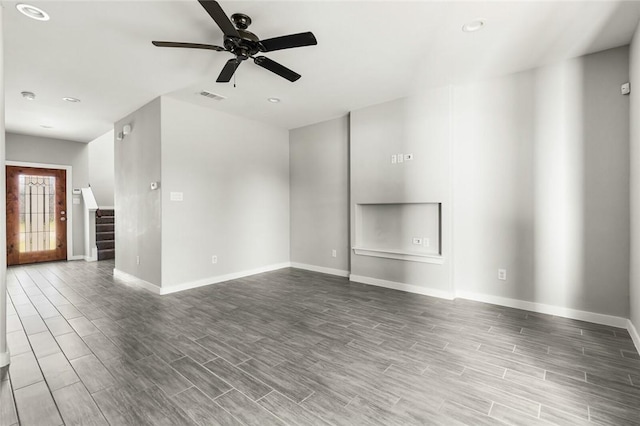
(212, 95)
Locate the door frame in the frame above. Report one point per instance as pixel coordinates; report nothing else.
(69, 215)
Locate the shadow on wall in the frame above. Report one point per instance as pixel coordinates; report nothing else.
(541, 185)
(582, 184)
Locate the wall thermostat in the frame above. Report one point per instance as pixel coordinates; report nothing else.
(625, 89)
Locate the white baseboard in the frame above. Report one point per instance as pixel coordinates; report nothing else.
(135, 281)
(221, 278)
(634, 335)
(94, 255)
(410, 288)
(5, 358)
(320, 269)
(542, 308)
(76, 257)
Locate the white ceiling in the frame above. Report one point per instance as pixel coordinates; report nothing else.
(368, 52)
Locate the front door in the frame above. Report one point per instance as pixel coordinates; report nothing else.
(36, 215)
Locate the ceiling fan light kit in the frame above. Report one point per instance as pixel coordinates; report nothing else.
(244, 44)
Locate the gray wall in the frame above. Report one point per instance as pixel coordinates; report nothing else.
(234, 177)
(34, 149)
(319, 188)
(419, 125)
(138, 208)
(635, 178)
(541, 185)
(101, 168)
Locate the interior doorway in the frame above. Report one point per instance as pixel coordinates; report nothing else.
(36, 215)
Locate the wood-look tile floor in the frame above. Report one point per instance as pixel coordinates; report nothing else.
(296, 347)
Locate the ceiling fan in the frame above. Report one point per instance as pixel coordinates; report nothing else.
(244, 44)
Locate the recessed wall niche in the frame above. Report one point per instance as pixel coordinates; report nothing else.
(405, 231)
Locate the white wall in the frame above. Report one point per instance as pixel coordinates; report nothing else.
(34, 149)
(138, 208)
(4, 350)
(101, 168)
(635, 178)
(419, 125)
(234, 176)
(541, 185)
(319, 180)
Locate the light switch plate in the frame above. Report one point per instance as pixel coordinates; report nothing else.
(175, 196)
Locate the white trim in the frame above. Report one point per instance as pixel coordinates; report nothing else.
(106, 207)
(91, 258)
(321, 269)
(5, 358)
(69, 183)
(222, 278)
(410, 288)
(89, 199)
(132, 280)
(634, 334)
(76, 257)
(542, 308)
(400, 255)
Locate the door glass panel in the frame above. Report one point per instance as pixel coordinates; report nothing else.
(37, 213)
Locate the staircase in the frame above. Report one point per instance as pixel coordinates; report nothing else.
(105, 234)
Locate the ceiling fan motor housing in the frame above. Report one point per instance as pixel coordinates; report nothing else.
(248, 44)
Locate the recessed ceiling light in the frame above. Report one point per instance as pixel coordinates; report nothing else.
(473, 26)
(69, 99)
(30, 96)
(32, 12)
(274, 100)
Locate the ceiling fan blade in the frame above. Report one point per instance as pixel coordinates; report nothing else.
(288, 42)
(188, 45)
(275, 67)
(227, 72)
(214, 10)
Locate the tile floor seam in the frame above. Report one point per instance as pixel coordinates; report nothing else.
(44, 379)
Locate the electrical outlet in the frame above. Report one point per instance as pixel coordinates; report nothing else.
(137, 260)
(426, 242)
(417, 241)
(502, 274)
(214, 259)
(334, 253)
(400, 158)
(394, 159)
